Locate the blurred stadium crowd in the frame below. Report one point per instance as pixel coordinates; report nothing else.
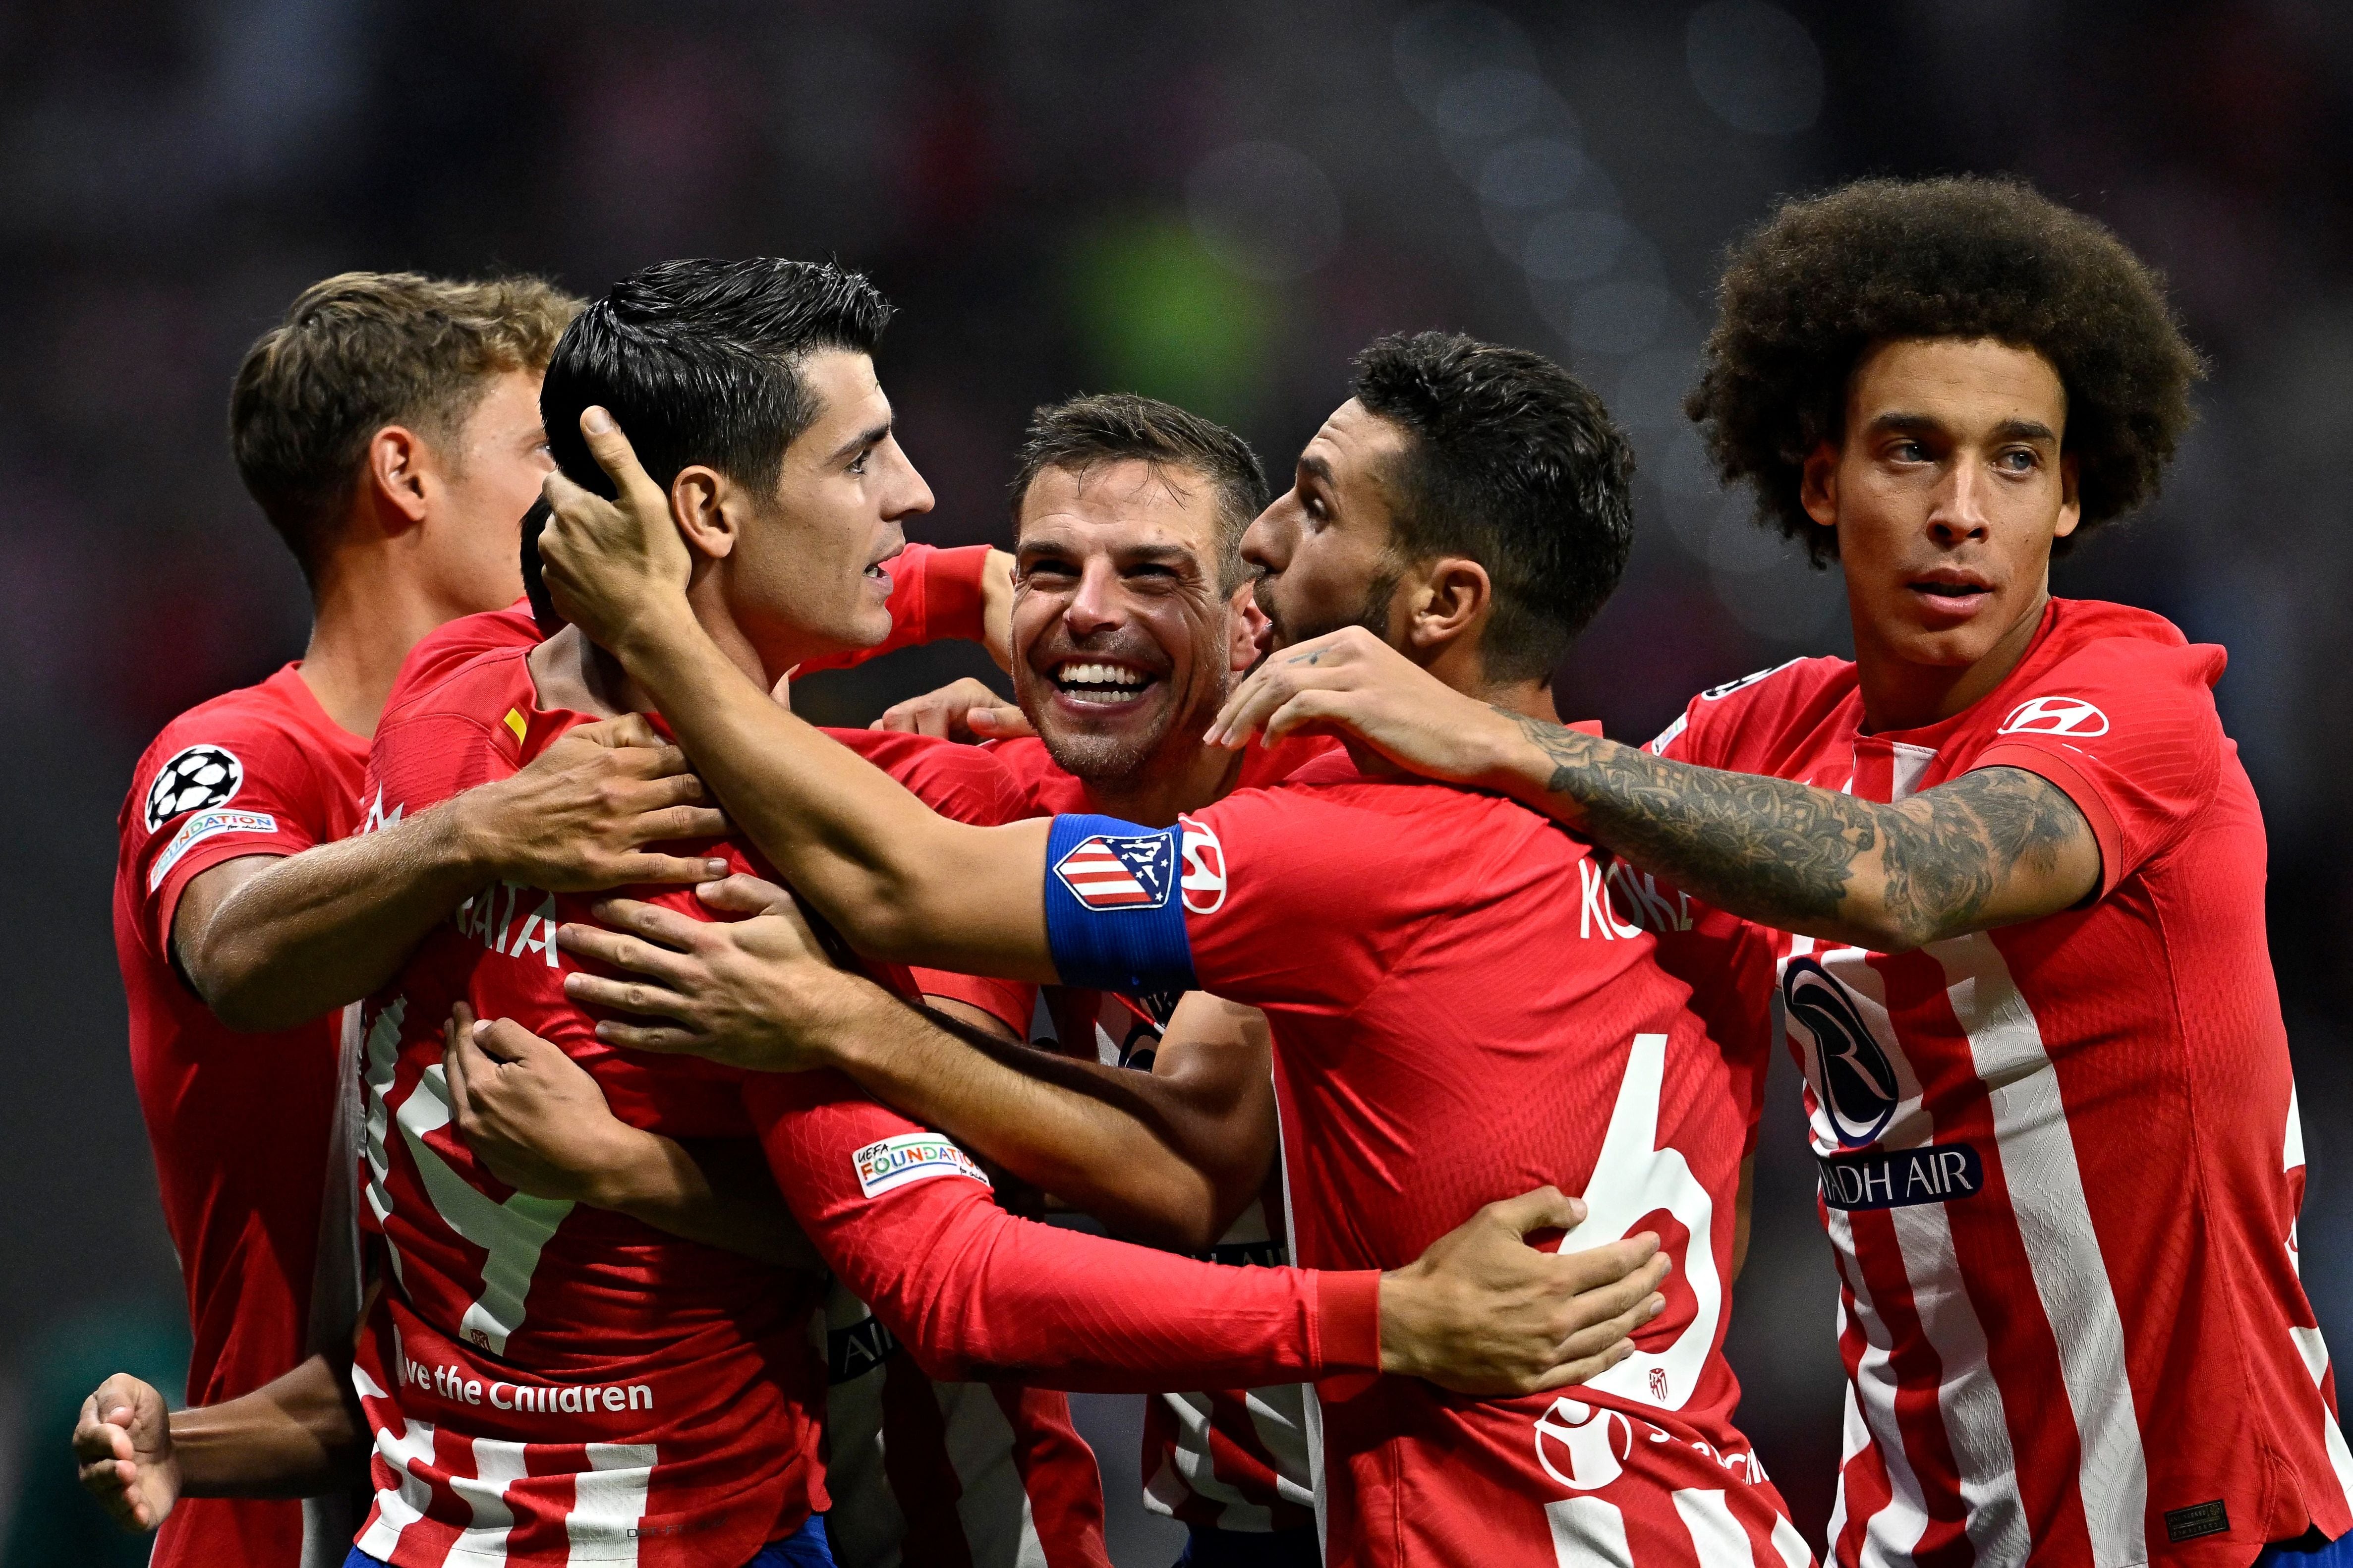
(1214, 203)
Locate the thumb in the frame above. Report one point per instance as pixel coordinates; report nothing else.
(1546, 1208)
(998, 722)
(504, 1040)
(612, 451)
(742, 894)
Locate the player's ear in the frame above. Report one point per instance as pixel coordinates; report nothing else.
(1818, 485)
(1451, 594)
(2071, 501)
(397, 460)
(1245, 625)
(703, 505)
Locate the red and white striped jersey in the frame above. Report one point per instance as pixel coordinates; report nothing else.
(923, 1471)
(2060, 1164)
(542, 1378)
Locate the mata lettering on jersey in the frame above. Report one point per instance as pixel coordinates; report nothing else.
(1107, 872)
(909, 1158)
(196, 778)
(490, 917)
(203, 825)
(1205, 867)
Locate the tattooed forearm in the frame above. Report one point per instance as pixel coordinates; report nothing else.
(1815, 860)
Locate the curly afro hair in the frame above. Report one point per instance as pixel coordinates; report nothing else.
(1826, 277)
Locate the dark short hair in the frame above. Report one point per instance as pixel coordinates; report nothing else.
(358, 352)
(699, 361)
(1513, 463)
(1119, 427)
(1826, 278)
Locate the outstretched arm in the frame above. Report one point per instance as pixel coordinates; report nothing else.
(900, 881)
(1991, 847)
(1170, 1156)
(270, 942)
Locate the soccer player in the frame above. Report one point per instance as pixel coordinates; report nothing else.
(538, 1377)
(2016, 875)
(389, 428)
(1134, 617)
(1472, 500)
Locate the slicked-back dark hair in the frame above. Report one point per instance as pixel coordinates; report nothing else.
(1515, 464)
(1119, 427)
(699, 361)
(1826, 278)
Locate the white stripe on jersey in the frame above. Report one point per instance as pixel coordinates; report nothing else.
(2308, 1342)
(2055, 1223)
(1587, 1532)
(496, 1464)
(405, 1504)
(1188, 1467)
(1891, 1534)
(1969, 1398)
(1790, 1544)
(608, 1499)
(1717, 1540)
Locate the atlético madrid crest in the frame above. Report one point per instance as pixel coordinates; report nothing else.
(1107, 873)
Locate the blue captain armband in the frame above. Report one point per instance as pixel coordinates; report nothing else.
(1114, 918)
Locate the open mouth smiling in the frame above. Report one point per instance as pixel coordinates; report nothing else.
(1100, 684)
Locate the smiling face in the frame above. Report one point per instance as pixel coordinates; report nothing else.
(802, 571)
(1947, 493)
(1123, 643)
(1324, 549)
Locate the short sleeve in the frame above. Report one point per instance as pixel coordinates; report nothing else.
(218, 788)
(1011, 1002)
(2128, 728)
(936, 596)
(1298, 897)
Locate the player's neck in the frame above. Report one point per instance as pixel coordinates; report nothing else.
(365, 619)
(1903, 694)
(1154, 796)
(571, 672)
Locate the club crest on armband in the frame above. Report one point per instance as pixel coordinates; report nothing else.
(1107, 873)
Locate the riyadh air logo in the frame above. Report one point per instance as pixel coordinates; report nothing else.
(1856, 1082)
(1583, 1446)
(2054, 716)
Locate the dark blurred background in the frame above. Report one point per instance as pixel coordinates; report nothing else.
(1213, 203)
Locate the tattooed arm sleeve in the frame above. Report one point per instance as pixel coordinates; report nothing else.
(1991, 847)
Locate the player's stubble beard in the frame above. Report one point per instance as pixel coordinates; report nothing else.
(1119, 758)
(1372, 614)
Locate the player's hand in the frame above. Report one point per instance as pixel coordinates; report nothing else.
(1483, 1312)
(997, 608)
(1351, 683)
(760, 992)
(534, 1116)
(617, 570)
(578, 818)
(964, 709)
(122, 1444)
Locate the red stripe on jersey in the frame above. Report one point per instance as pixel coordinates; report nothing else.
(1058, 1472)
